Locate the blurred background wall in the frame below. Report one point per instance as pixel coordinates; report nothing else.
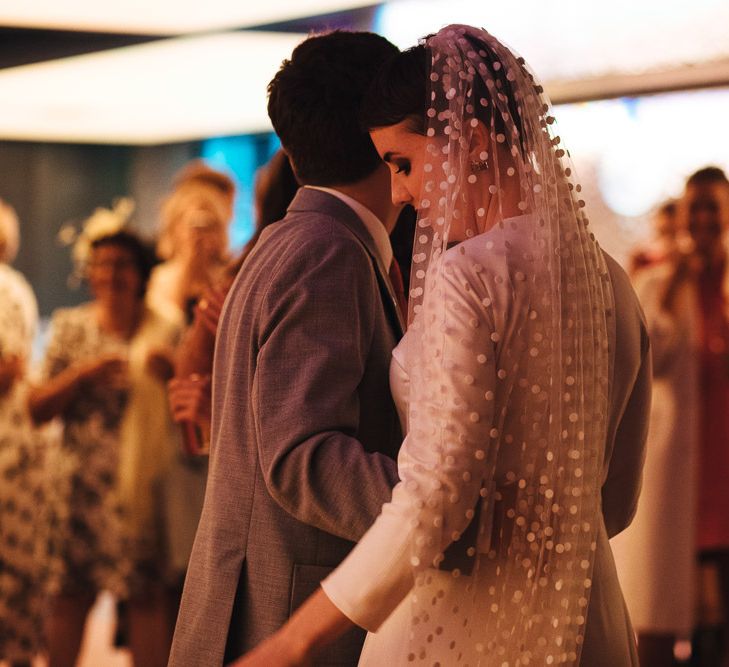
(101, 100)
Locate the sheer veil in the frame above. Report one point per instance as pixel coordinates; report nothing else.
(508, 371)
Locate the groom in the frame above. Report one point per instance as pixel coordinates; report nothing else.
(304, 429)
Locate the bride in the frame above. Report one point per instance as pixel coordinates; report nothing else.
(523, 381)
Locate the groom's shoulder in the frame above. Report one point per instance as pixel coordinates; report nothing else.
(309, 235)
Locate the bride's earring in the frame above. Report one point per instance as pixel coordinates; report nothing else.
(482, 164)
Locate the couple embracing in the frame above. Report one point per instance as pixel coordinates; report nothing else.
(452, 490)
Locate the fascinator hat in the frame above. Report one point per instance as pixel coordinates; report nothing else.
(103, 222)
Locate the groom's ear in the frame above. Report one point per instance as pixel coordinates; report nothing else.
(480, 142)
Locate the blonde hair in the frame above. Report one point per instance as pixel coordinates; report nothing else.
(191, 194)
(200, 172)
(9, 233)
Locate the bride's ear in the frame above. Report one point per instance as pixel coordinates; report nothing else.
(480, 143)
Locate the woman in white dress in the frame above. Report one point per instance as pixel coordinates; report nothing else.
(523, 382)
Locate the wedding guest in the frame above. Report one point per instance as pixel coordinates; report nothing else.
(194, 243)
(663, 245)
(523, 381)
(198, 171)
(24, 518)
(685, 501)
(189, 391)
(194, 238)
(104, 373)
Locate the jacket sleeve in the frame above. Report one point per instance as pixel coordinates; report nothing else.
(319, 313)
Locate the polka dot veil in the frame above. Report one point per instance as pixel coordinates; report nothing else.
(509, 371)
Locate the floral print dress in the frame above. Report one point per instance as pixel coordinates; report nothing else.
(102, 547)
(24, 486)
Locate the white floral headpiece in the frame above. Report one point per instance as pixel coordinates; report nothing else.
(102, 222)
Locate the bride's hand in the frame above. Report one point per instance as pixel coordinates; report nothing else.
(276, 651)
(314, 625)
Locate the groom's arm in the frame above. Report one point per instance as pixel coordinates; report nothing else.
(319, 316)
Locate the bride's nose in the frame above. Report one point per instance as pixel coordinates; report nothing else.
(400, 194)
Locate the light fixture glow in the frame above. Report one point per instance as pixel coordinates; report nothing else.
(635, 150)
(173, 90)
(573, 40)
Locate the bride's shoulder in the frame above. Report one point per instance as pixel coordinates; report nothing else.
(463, 258)
(469, 272)
(480, 257)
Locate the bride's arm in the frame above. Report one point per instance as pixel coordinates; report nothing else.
(447, 457)
(314, 625)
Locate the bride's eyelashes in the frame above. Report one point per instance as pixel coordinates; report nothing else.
(403, 167)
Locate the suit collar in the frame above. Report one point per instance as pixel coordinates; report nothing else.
(372, 223)
(318, 201)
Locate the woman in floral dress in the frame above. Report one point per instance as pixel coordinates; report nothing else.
(104, 370)
(23, 506)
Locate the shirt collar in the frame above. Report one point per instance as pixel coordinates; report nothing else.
(372, 223)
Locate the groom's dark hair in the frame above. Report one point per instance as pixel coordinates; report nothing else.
(314, 104)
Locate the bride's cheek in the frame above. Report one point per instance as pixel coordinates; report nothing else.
(420, 185)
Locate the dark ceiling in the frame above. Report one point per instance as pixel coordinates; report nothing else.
(23, 46)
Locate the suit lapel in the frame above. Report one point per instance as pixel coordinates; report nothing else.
(307, 199)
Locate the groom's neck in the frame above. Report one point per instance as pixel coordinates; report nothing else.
(374, 193)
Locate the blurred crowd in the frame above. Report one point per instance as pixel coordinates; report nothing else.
(673, 561)
(103, 442)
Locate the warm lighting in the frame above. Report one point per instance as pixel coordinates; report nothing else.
(574, 41)
(161, 17)
(174, 90)
(636, 149)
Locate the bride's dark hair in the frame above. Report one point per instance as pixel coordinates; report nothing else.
(400, 91)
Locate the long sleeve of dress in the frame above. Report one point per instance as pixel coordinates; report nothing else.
(446, 458)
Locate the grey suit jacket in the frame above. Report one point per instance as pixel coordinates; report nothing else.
(304, 431)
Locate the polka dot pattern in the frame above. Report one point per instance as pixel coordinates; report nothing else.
(508, 368)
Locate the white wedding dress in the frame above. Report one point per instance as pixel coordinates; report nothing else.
(390, 645)
(374, 585)
(371, 586)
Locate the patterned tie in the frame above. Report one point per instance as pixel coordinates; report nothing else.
(399, 288)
